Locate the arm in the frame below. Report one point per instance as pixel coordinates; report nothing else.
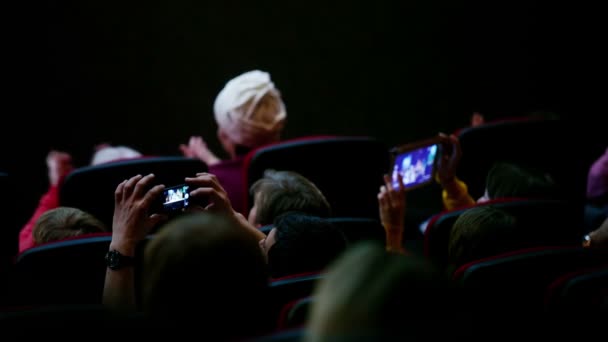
(455, 192)
(59, 164)
(48, 201)
(197, 148)
(391, 203)
(130, 225)
(209, 188)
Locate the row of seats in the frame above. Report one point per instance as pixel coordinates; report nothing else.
(559, 281)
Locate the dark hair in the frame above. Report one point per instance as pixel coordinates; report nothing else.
(279, 192)
(304, 243)
(204, 269)
(481, 232)
(65, 222)
(512, 180)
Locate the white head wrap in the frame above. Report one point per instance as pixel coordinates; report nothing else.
(111, 153)
(249, 109)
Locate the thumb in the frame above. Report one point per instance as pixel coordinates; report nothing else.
(156, 219)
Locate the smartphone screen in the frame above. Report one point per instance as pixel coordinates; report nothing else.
(175, 198)
(416, 166)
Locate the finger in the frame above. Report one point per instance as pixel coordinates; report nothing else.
(457, 153)
(215, 198)
(128, 187)
(185, 150)
(401, 188)
(156, 219)
(204, 179)
(142, 185)
(118, 191)
(151, 196)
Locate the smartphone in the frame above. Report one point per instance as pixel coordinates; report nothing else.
(176, 198)
(416, 162)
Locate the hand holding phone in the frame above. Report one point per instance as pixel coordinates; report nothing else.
(450, 158)
(416, 163)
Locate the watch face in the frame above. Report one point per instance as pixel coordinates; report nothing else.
(113, 259)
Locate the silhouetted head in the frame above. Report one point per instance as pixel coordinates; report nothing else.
(481, 232)
(371, 295)
(301, 243)
(204, 270)
(512, 180)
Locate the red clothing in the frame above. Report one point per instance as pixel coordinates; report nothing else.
(231, 175)
(48, 201)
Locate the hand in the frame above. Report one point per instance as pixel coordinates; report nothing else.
(197, 148)
(450, 158)
(477, 119)
(208, 188)
(59, 165)
(132, 220)
(391, 202)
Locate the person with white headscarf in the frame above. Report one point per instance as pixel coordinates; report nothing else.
(249, 113)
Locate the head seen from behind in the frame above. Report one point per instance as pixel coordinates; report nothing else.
(371, 295)
(249, 112)
(205, 269)
(513, 180)
(481, 232)
(301, 243)
(279, 192)
(65, 222)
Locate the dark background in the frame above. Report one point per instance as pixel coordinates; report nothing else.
(78, 73)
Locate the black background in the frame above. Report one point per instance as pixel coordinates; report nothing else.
(78, 73)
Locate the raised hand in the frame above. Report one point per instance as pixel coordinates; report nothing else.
(132, 220)
(59, 164)
(450, 159)
(197, 148)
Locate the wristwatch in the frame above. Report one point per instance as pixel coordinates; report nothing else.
(116, 261)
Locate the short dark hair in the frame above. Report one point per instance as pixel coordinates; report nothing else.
(65, 222)
(481, 232)
(304, 243)
(507, 179)
(283, 191)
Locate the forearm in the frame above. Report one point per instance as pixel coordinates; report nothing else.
(394, 240)
(253, 231)
(119, 286)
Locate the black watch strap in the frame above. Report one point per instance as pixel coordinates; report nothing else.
(116, 261)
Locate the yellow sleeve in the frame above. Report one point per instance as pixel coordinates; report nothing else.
(456, 194)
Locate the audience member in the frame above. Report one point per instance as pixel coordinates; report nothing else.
(371, 295)
(503, 179)
(279, 192)
(597, 192)
(482, 232)
(64, 222)
(249, 112)
(59, 165)
(300, 243)
(204, 261)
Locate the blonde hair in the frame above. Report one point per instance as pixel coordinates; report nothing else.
(65, 222)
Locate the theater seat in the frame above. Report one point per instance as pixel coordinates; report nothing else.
(579, 292)
(286, 289)
(517, 281)
(70, 271)
(92, 188)
(541, 222)
(348, 170)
